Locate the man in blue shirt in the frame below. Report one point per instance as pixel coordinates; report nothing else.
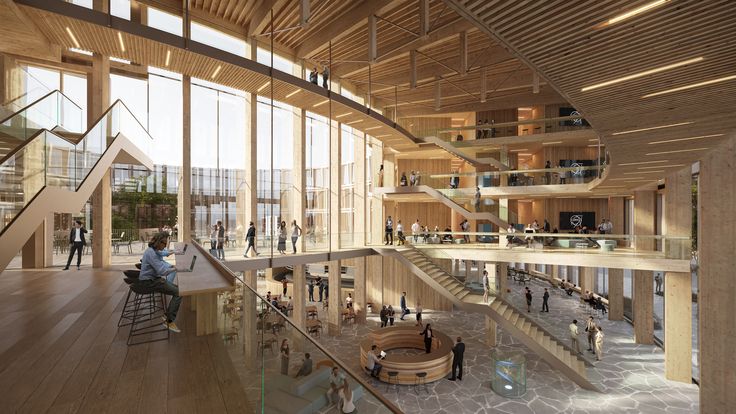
(153, 276)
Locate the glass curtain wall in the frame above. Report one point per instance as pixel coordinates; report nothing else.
(350, 139)
(317, 176)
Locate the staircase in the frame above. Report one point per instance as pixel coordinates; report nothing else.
(477, 162)
(50, 172)
(449, 202)
(524, 329)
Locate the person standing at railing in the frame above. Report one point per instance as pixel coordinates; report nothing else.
(417, 177)
(310, 290)
(313, 76)
(403, 182)
(547, 175)
(454, 180)
(389, 231)
(282, 237)
(220, 240)
(486, 287)
(562, 174)
(77, 243)
(478, 131)
(380, 176)
(213, 240)
(325, 77)
(412, 179)
(250, 237)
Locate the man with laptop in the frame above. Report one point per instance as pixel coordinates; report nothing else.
(153, 277)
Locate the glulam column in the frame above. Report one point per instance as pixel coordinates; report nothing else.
(716, 281)
(250, 320)
(98, 99)
(678, 327)
(587, 278)
(643, 304)
(359, 291)
(615, 294)
(334, 317)
(299, 300)
(299, 182)
(184, 196)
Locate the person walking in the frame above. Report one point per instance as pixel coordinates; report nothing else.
(391, 314)
(313, 76)
(574, 336)
(545, 298)
(389, 231)
(528, 295)
(486, 286)
(415, 229)
(285, 284)
(419, 315)
(310, 289)
(321, 288)
(77, 242)
(458, 351)
(465, 227)
(284, 352)
(476, 199)
(296, 231)
(220, 240)
(404, 309)
(282, 238)
(599, 344)
(658, 283)
(250, 238)
(590, 328)
(427, 332)
(400, 233)
(213, 240)
(383, 315)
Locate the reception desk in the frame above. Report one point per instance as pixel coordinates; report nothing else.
(437, 364)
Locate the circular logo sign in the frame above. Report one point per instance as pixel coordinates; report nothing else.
(576, 220)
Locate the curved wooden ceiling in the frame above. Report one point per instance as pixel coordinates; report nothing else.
(574, 48)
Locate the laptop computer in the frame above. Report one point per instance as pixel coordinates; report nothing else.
(191, 267)
(383, 354)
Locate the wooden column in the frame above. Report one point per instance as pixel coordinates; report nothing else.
(644, 218)
(299, 299)
(616, 206)
(38, 250)
(299, 185)
(502, 278)
(491, 326)
(359, 292)
(250, 320)
(615, 294)
(335, 184)
(716, 282)
(98, 101)
(554, 272)
(359, 192)
(503, 203)
(184, 206)
(334, 318)
(374, 281)
(678, 327)
(587, 278)
(251, 154)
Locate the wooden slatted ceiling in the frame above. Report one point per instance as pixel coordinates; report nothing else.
(571, 52)
(144, 51)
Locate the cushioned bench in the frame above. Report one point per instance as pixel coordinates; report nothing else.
(301, 395)
(569, 243)
(607, 245)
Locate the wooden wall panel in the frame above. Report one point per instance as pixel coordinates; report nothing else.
(424, 166)
(553, 111)
(555, 154)
(398, 278)
(424, 126)
(429, 213)
(500, 116)
(555, 206)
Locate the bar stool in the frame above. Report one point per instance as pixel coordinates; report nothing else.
(148, 315)
(420, 379)
(393, 379)
(131, 276)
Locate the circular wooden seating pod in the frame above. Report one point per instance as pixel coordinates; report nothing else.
(437, 364)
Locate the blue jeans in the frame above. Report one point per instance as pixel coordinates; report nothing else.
(167, 288)
(170, 277)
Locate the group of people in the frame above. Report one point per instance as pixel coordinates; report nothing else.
(420, 232)
(414, 179)
(321, 284)
(217, 240)
(387, 313)
(281, 231)
(595, 337)
(313, 76)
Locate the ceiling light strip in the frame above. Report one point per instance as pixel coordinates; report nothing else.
(642, 162)
(639, 10)
(74, 38)
(293, 93)
(644, 73)
(685, 139)
(691, 86)
(651, 128)
(168, 57)
(677, 151)
(217, 71)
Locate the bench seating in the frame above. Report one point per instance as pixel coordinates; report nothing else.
(301, 395)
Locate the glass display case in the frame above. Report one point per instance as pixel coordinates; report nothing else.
(509, 373)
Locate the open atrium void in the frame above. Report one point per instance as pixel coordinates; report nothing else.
(368, 206)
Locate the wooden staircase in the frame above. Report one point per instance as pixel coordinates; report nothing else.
(521, 327)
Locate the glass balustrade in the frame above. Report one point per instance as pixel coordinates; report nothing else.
(268, 352)
(52, 111)
(57, 159)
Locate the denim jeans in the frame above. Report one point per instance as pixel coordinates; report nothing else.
(170, 277)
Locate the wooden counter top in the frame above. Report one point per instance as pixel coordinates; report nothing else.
(205, 278)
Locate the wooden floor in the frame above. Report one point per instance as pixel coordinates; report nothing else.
(61, 352)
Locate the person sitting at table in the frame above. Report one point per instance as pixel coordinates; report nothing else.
(427, 332)
(372, 364)
(306, 367)
(335, 383)
(153, 277)
(570, 288)
(447, 237)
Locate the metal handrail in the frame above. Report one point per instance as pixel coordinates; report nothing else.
(229, 274)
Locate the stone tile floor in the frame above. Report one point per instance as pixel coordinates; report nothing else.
(631, 375)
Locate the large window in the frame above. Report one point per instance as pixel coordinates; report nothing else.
(317, 181)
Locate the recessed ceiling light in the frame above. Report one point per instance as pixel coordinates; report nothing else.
(593, 139)
(80, 51)
(597, 145)
(642, 162)
(651, 128)
(552, 143)
(686, 139)
(382, 136)
(293, 93)
(524, 154)
(263, 86)
(631, 13)
(120, 40)
(74, 38)
(525, 109)
(320, 103)
(519, 150)
(168, 57)
(691, 86)
(661, 166)
(373, 127)
(677, 151)
(640, 74)
(354, 122)
(643, 172)
(217, 71)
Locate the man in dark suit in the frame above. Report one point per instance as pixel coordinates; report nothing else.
(457, 359)
(77, 243)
